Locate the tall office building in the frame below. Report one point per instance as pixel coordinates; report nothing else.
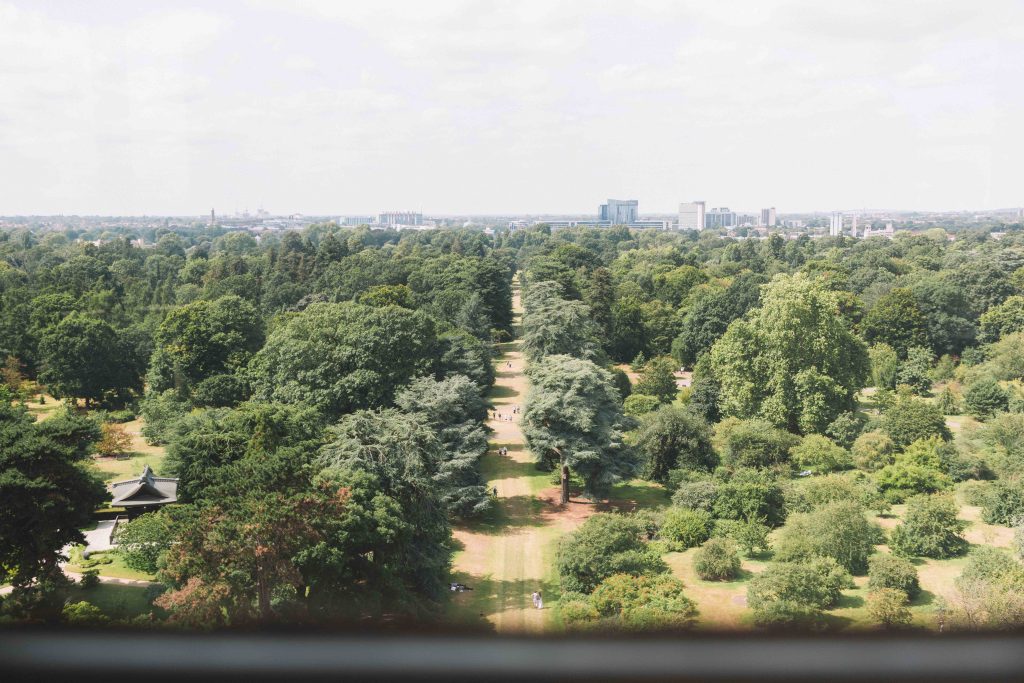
(720, 218)
(619, 211)
(691, 216)
(853, 227)
(835, 226)
(767, 218)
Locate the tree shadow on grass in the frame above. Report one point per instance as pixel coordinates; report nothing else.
(511, 513)
(628, 497)
(923, 598)
(494, 466)
(849, 602)
(489, 596)
(760, 556)
(836, 622)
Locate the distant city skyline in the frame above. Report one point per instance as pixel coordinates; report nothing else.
(507, 108)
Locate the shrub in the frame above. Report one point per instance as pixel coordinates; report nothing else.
(750, 534)
(873, 451)
(944, 369)
(90, 578)
(83, 613)
(696, 492)
(141, 541)
(640, 404)
(756, 443)
(990, 591)
(576, 610)
(975, 492)
(120, 416)
(890, 571)
(909, 419)
(750, 494)
(837, 530)
(885, 363)
(845, 429)
(804, 495)
(792, 595)
(644, 602)
(888, 607)
(1004, 503)
(818, 454)
(917, 470)
(684, 528)
(115, 441)
(930, 528)
(604, 545)
(717, 560)
(985, 397)
(621, 381)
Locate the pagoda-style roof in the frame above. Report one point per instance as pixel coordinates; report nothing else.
(145, 491)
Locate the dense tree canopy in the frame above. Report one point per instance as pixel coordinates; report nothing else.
(556, 326)
(792, 361)
(342, 357)
(204, 339)
(46, 495)
(84, 357)
(574, 418)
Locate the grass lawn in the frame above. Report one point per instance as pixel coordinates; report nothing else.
(721, 605)
(116, 568)
(41, 412)
(116, 601)
(112, 469)
(639, 494)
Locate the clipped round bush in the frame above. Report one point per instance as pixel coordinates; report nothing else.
(873, 451)
(889, 571)
(930, 528)
(717, 560)
(696, 494)
(888, 608)
(684, 528)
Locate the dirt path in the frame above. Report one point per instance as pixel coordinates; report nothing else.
(505, 558)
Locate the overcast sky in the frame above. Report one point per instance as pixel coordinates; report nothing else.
(522, 106)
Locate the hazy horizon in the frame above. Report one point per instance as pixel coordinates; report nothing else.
(507, 108)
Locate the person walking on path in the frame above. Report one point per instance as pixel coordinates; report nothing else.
(539, 602)
(536, 598)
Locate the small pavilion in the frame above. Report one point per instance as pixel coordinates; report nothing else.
(145, 493)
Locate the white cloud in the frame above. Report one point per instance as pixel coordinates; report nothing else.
(477, 106)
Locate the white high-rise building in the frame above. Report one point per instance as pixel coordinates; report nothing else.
(767, 218)
(853, 227)
(691, 216)
(835, 226)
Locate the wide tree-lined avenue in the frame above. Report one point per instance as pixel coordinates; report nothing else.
(507, 558)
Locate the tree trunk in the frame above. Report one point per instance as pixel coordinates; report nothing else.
(565, 484)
